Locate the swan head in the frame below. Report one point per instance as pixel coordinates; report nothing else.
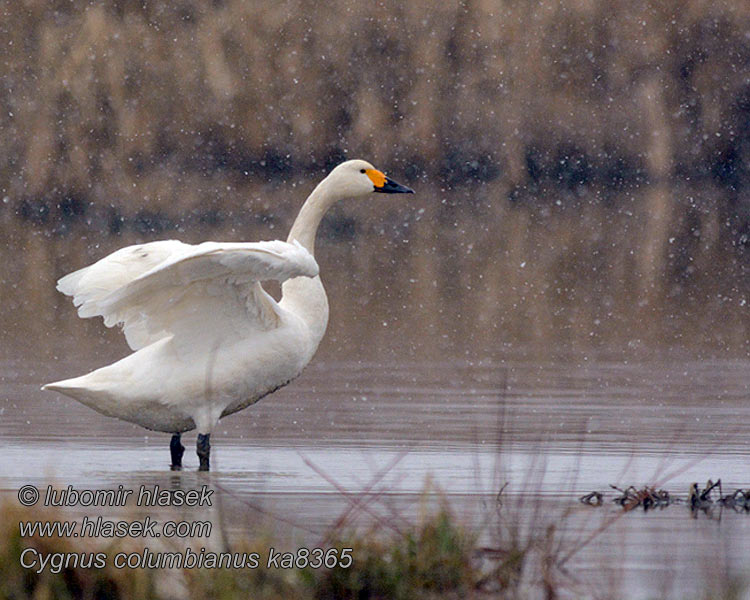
(359, 178)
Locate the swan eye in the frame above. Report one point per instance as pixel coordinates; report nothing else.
(362, 171)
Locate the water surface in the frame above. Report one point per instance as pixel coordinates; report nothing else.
(380, 434)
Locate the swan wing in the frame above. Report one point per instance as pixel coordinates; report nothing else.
(202, 291)
(88, 286)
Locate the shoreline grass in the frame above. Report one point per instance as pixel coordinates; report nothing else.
(434, 557)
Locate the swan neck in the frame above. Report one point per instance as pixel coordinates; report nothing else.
(308, 220)
(304, 296)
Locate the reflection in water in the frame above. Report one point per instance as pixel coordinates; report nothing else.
(344, 431)
(423, 277)
(519, 344)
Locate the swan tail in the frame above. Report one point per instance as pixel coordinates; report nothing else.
(89, 390)
(69, 387)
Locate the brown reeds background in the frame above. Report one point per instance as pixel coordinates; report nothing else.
(583, 167)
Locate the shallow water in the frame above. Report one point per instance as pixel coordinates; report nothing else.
(382, 431)
(488, 351)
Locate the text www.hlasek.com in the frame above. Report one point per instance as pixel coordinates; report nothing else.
(99, 527)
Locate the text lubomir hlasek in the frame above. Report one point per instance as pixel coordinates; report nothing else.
(147, 496)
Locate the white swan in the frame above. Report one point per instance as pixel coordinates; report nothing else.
(208, 339)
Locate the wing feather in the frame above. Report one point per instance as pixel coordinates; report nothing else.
(192, 292)
(91, 284)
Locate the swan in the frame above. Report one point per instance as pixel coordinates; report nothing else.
(207, 339)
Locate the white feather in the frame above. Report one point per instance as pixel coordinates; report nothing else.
(170, 288)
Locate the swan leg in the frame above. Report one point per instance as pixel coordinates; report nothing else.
(203, 448)
(176, 449)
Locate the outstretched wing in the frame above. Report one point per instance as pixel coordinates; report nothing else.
(200, 291)
(91, 284)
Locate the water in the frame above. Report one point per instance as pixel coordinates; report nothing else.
(459, 357)
(382, 431)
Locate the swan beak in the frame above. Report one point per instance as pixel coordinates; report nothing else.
(391, 187)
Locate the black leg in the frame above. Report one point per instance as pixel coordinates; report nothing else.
(203, 448)
(176, 449)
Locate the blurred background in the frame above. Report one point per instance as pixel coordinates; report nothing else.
(562, 305)
(582, 168)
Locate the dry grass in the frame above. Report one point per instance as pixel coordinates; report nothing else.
(611, 140)
(108, 100)
(433, 558)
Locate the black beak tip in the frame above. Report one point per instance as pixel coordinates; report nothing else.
(391, 187)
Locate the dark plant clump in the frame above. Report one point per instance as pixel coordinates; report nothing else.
(649, 497)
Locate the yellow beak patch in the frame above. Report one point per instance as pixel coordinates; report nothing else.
(377, 178)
